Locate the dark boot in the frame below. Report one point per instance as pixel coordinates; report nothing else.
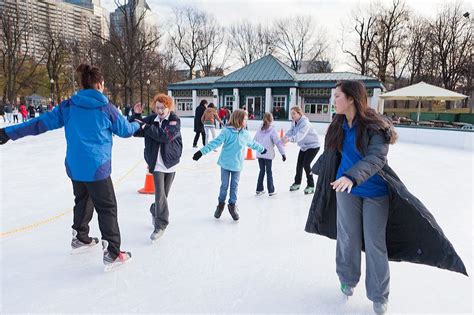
(233, 211)
(219, 209)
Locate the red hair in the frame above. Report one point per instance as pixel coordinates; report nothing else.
(165, 100)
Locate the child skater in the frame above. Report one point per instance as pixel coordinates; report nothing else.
(268, 137)
(163, 148)
(234, 139)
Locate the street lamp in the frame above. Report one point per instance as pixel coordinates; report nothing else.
(52, 94)
(148, 94)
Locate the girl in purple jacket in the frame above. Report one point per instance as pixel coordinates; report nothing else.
(267, 136)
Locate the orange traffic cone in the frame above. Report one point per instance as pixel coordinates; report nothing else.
(282, 134)
(249, 154)
(149, 185)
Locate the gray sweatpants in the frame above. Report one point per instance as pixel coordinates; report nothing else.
(363, 219)
(163, 183)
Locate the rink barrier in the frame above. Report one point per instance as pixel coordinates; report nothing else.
(442, 137)
(54, 218)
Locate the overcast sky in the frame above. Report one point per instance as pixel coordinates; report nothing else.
(330, 15)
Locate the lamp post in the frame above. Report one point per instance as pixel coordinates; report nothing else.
(52, 94)
(148, 94)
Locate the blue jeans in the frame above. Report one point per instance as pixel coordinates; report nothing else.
(234, 177)
(265, 165)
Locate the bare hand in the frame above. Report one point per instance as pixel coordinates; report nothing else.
(138, 108)
(285, 140)
(342, 184)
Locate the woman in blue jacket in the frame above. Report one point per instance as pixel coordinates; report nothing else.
(163, 149)
(89, 120)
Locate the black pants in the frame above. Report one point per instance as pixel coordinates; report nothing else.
(196, 138)
(101, 196)
(304, 161)
(265, 165)
(160, 211)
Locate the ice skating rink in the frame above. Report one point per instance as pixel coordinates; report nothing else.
(265, 263)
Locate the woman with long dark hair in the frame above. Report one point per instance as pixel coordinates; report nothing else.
(355, 192)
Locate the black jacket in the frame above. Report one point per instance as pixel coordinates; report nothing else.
(412, 234)
(166, 138)
(198, 125)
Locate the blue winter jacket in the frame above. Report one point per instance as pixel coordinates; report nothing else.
(234, 141)
(89, 121)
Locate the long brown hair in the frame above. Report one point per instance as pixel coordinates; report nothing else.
(366, 118)
(267, 121)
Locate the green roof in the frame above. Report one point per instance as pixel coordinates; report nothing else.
(266, 69)
(332, 76)
(203, 80)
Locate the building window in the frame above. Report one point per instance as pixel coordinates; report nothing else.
(229, 101)
(184, 104)
(320, 109)
(279, 107)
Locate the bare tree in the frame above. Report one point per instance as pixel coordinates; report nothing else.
(452, 41)
(17, 66)
(129, 41)
(190, 35)
(364, 27)
(214, 35)
(418, 44)
(56, 52)
(250, 42)
(390, 27)
(297, 40)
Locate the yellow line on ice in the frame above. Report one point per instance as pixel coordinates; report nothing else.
(51, 219)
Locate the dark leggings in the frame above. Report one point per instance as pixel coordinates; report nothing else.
(196, 138)
(304, 161)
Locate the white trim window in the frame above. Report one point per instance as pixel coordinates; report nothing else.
(279, 101)
(316, 108)
(229, 101)
(184, 104)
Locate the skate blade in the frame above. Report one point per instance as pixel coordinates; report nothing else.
(115, 266)
(82, 250)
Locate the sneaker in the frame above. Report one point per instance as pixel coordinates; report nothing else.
(295, 187)
(219, 209)
(309, 190)
(233, 210)
(272, 193)
(157, 233)
(111, 263)
(79, 246)
(347, 290)
(380, 308)
(259, 193)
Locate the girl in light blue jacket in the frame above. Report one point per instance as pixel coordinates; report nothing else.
(234, 139)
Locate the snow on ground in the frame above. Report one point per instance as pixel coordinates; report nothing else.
(264, 263)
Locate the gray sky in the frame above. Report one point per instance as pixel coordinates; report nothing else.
(330, 15)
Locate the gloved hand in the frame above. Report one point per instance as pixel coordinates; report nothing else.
(197, 155)
(3, 136)
(283, 157)
(264, 151)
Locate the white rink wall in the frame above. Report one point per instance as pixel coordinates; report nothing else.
(449, 138)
